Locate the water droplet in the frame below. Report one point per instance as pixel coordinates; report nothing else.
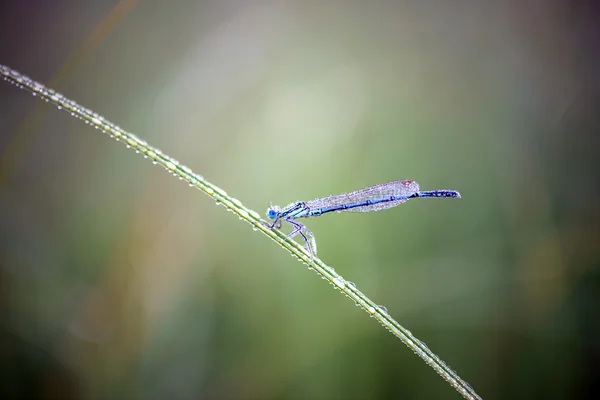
(350, 283)
(220, 191)
(237, 202)
(340, 282)
(254, 214)
(384, 309)
(244, 214)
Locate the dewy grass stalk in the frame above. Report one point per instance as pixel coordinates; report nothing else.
(232, 204)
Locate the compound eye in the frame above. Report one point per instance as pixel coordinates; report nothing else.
(271, 213)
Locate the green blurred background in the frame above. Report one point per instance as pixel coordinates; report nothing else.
(119, 282)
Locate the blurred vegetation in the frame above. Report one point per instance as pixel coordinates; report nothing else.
(117, 281)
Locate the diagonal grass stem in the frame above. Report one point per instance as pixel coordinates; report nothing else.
(232, 204)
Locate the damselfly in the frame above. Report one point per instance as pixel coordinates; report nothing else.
(372, 198)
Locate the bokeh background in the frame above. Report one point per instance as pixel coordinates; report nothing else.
(119, 282)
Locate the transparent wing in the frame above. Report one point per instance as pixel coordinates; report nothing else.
(404, 188)
(377, 207)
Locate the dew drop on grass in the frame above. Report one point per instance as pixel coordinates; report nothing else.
(340, 282)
